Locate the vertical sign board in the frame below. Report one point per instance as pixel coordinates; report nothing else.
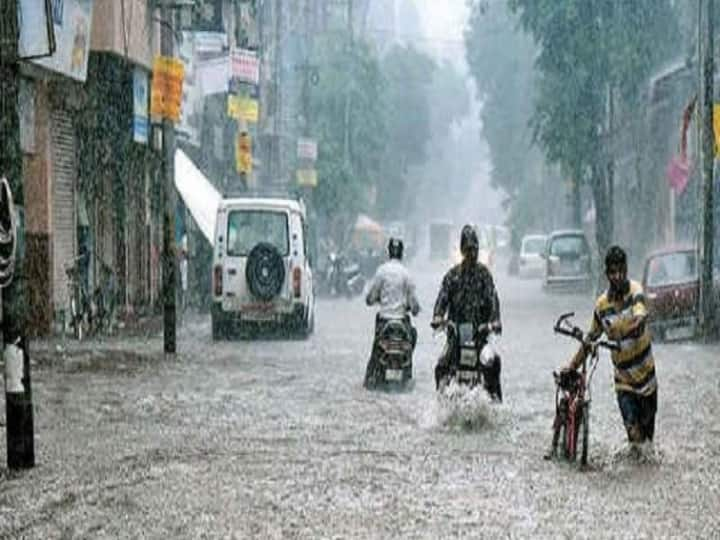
(35, 39)
(244, 153)
(245, 66)
(141, 121)
(71, 21)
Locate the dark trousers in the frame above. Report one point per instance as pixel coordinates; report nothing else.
(638, 414)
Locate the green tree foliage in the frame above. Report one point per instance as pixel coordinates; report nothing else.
(500, 56)
(588, 49)
(350, 81)
(409, 75)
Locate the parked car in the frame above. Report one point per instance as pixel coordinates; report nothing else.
(262, 275)
(568, 264)
(671, 284)
(530, 259)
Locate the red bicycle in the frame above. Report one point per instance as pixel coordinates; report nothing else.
(572, 396)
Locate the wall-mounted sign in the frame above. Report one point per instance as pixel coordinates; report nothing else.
(37, 38)
(307, 177)
(307, 149)
(167, 84)
(71, 21)
(141, 122)
(245, 66)
(243, 108)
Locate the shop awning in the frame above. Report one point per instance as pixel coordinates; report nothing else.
(199, 195)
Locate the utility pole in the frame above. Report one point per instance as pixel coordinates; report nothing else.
(348, 88)
(18, 392)
(168, 168)
(708, 145)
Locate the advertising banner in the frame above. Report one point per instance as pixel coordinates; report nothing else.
(71, 21)
(243, 108)
(245, 66)
(141, 122)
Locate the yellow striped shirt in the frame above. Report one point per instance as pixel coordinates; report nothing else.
(634, 363)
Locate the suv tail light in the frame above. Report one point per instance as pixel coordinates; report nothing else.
(217, 280)
(296, 278)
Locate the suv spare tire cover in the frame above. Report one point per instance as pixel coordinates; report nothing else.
(265, 271)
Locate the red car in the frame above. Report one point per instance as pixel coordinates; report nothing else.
(671, 285)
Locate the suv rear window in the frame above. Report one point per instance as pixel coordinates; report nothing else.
(247, 228)
(568, 245)
(672, 268)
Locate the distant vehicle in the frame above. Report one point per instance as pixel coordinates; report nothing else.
(567, 261)
(530, 259)
(440, 240)
(501, 239)
(671, 286)
(262, 276)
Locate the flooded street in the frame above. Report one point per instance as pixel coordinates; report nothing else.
(278, 439)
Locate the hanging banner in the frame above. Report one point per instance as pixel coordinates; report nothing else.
(36, 31)
(168, 75)
(716, 127)
(243, 108)
(71, 20)
(307, 177)
(245, 66)
(141, 122)
(307, 149)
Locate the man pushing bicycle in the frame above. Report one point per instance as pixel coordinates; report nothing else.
(621, 314)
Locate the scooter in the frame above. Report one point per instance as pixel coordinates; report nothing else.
(394, 352)
(343, 277)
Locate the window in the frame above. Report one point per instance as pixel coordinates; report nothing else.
(568, 246)
(672, 268)
(247, 228)
(533, 245)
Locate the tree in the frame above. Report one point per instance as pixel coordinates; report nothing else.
(592, 53)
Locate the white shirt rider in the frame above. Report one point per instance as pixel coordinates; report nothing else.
(394, 290)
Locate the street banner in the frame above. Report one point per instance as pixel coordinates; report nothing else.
(71, 21)
(141, 122)
(307, 177)
(243, 108)
(245, 66)
(168, 75)
(213, 75)
(243, 153)
(307, 149)
(209, 42)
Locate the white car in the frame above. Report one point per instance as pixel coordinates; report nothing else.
(262, 276)
(530, 261)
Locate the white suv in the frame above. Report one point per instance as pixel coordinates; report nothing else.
(261, 272)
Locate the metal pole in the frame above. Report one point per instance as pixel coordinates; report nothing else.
(348, 92)
(708, 228)
(18, 391)
(168, 148)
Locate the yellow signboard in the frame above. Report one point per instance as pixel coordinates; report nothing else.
(242, 108)
(243, 153)
(307, 177)
(167, 84)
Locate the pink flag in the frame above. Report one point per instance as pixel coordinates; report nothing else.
(678, 172)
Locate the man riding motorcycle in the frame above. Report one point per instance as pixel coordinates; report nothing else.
(394, 290)
(468, 295)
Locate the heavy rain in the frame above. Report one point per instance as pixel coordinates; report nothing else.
(359, 269)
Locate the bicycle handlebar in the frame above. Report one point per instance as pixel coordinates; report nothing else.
(577, 334)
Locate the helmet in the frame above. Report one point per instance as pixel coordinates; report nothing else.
(468, 240)
(395, 248)
(615, 256)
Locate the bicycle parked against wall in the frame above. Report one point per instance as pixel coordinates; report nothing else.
(91, 314)
(571, 427)
(79, 301)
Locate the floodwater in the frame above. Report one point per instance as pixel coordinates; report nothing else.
(278, 439)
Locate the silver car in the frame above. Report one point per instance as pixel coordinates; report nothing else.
(568, 264)
(530, 261)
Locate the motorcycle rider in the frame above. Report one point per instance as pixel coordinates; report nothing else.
(468, 294)
(394, 290)
(622, 315)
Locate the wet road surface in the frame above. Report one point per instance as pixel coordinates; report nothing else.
(278, 439)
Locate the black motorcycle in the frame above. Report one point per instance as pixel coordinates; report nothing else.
(472, 360)
(394, 350)
(343, 277)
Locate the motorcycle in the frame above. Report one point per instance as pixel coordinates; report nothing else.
(343, 277)
(473, 358)
(394, 351)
